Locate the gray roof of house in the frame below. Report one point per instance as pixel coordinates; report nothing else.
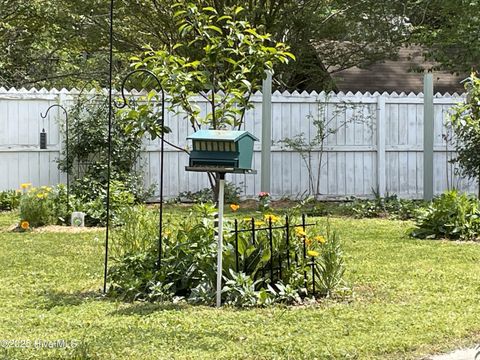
(404, 74)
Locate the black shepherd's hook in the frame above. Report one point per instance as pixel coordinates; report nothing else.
(145, 71)
(162, 143)
(66, 141)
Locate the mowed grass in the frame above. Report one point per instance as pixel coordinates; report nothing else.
(410, 298)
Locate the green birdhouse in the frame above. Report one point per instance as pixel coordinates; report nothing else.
(225, 150)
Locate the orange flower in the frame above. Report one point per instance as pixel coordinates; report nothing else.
(25, 225)
(234, 207)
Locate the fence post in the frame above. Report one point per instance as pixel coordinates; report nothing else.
(428, 136)
(381, 122)
(266, 133)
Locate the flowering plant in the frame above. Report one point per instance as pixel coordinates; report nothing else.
(24, 225)
(263, 195)
(263, 201)
(43, 205)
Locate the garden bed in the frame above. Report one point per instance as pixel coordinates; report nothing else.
(409, 298)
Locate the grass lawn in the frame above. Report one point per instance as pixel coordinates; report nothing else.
(410, 298)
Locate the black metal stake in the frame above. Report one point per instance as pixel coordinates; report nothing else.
(287, 233)
(66, 145)
(253, 231)
(109, 155)
(304, 247)
(313, 275)
(162, 150)
(236, 245)
(280, 265)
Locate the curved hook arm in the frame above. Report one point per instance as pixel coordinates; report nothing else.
(66, 139)
(146, 71)
(52, 106)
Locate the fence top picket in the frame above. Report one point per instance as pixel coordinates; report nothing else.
(258, 93)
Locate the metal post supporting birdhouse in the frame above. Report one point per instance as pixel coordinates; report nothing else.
(221, 152)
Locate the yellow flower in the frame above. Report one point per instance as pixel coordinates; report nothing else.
(300, 232)
(308, 241)
(40, 195)
(247, 219)
(320, 239)
(25, 185)
(234, 207)
(259, 223)
(313, 253)
(271, 217)
(24, 224)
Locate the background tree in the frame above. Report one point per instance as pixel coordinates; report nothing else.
(65, 42)
(465, 123)
(220, 57)
(450, 31)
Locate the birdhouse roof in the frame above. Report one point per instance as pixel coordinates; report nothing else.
(221, 135)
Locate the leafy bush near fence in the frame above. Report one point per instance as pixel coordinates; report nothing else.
(88, 155)
(232, 194)
(389, 206)
(44, 205)
(453, 215)
(9, 200)
(188, 264)
(93, 202)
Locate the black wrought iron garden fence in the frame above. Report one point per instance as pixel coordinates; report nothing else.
(273, 249)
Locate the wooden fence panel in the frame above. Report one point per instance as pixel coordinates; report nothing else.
(374, 145)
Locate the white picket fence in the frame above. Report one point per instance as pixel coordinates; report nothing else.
(378, 145)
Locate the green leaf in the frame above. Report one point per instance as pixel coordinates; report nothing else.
(215, 28)
(238, 10)
(178, 13)
(210, 9)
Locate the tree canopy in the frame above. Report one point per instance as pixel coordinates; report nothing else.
(64, 43)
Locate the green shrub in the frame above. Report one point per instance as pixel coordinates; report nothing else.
(188, 265)
(132, 275)
(9, 200)
(452, 215)
(48, 205)
(232, 195)
(94, 201)
(389, 206)
(44, 205)
(239, 290)
(189, 254)
(138, 231)
(329, 265)
(88, 155)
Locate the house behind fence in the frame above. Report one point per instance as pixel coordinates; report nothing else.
(373, 143)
